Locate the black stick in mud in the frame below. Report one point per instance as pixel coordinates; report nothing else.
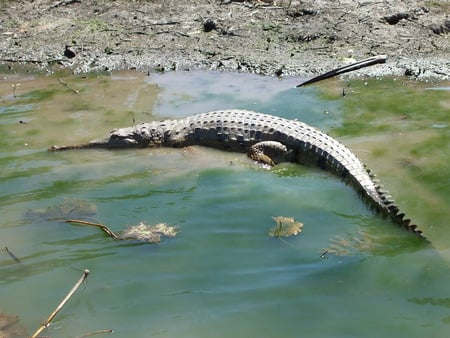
(345, 69)
(63, 302)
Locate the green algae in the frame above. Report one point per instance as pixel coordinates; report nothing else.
(223, 258)
(372, 106)
(399, 128)
(435, 172)
(38, 95)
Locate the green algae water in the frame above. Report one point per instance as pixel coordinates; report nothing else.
(349, 273)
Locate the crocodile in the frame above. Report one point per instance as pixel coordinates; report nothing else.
(266, 138)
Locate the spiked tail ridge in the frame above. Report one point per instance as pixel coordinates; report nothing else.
(391, 210)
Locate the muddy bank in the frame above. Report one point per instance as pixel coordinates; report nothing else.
(265, 37)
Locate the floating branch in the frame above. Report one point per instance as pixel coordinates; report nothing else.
(101, 226)
(345, 69)
(60, 306)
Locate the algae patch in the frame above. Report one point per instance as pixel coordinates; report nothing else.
(389, 105)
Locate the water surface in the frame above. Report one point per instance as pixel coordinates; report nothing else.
(348, 273)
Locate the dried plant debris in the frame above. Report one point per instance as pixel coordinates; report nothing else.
(61, 211)
(10, 327)
(149, 233)
(285, 227)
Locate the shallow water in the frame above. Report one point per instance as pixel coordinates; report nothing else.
(348, 273)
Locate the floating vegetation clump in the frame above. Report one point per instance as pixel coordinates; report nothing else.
(62, 211)
(285, 227)
(149, 233)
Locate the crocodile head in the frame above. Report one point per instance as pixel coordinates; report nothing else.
(138, 136)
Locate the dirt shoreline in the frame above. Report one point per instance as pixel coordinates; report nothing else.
(276, 38)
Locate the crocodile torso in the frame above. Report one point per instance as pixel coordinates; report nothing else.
(239, 130)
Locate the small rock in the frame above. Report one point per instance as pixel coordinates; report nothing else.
(394, 19)
(441, 29)
(413, 71)
(279, 71)
(69, 53)
(209, 25)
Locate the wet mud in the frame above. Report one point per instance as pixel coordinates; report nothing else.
(277, 38)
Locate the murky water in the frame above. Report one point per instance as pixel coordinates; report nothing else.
(348, 273)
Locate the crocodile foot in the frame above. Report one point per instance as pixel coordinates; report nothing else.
(269, 152)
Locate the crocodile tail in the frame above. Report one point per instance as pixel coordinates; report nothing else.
(391, 209)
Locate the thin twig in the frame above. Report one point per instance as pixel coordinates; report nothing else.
(101, 226)
(96, 332)
(162, 23)
(68, 87)
(17, 260)
(60, 306)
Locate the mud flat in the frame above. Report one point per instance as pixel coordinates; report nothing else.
(277, 38)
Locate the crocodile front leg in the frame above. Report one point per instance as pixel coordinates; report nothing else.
(269, 152)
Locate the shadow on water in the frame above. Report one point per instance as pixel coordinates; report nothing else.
(222, 275)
